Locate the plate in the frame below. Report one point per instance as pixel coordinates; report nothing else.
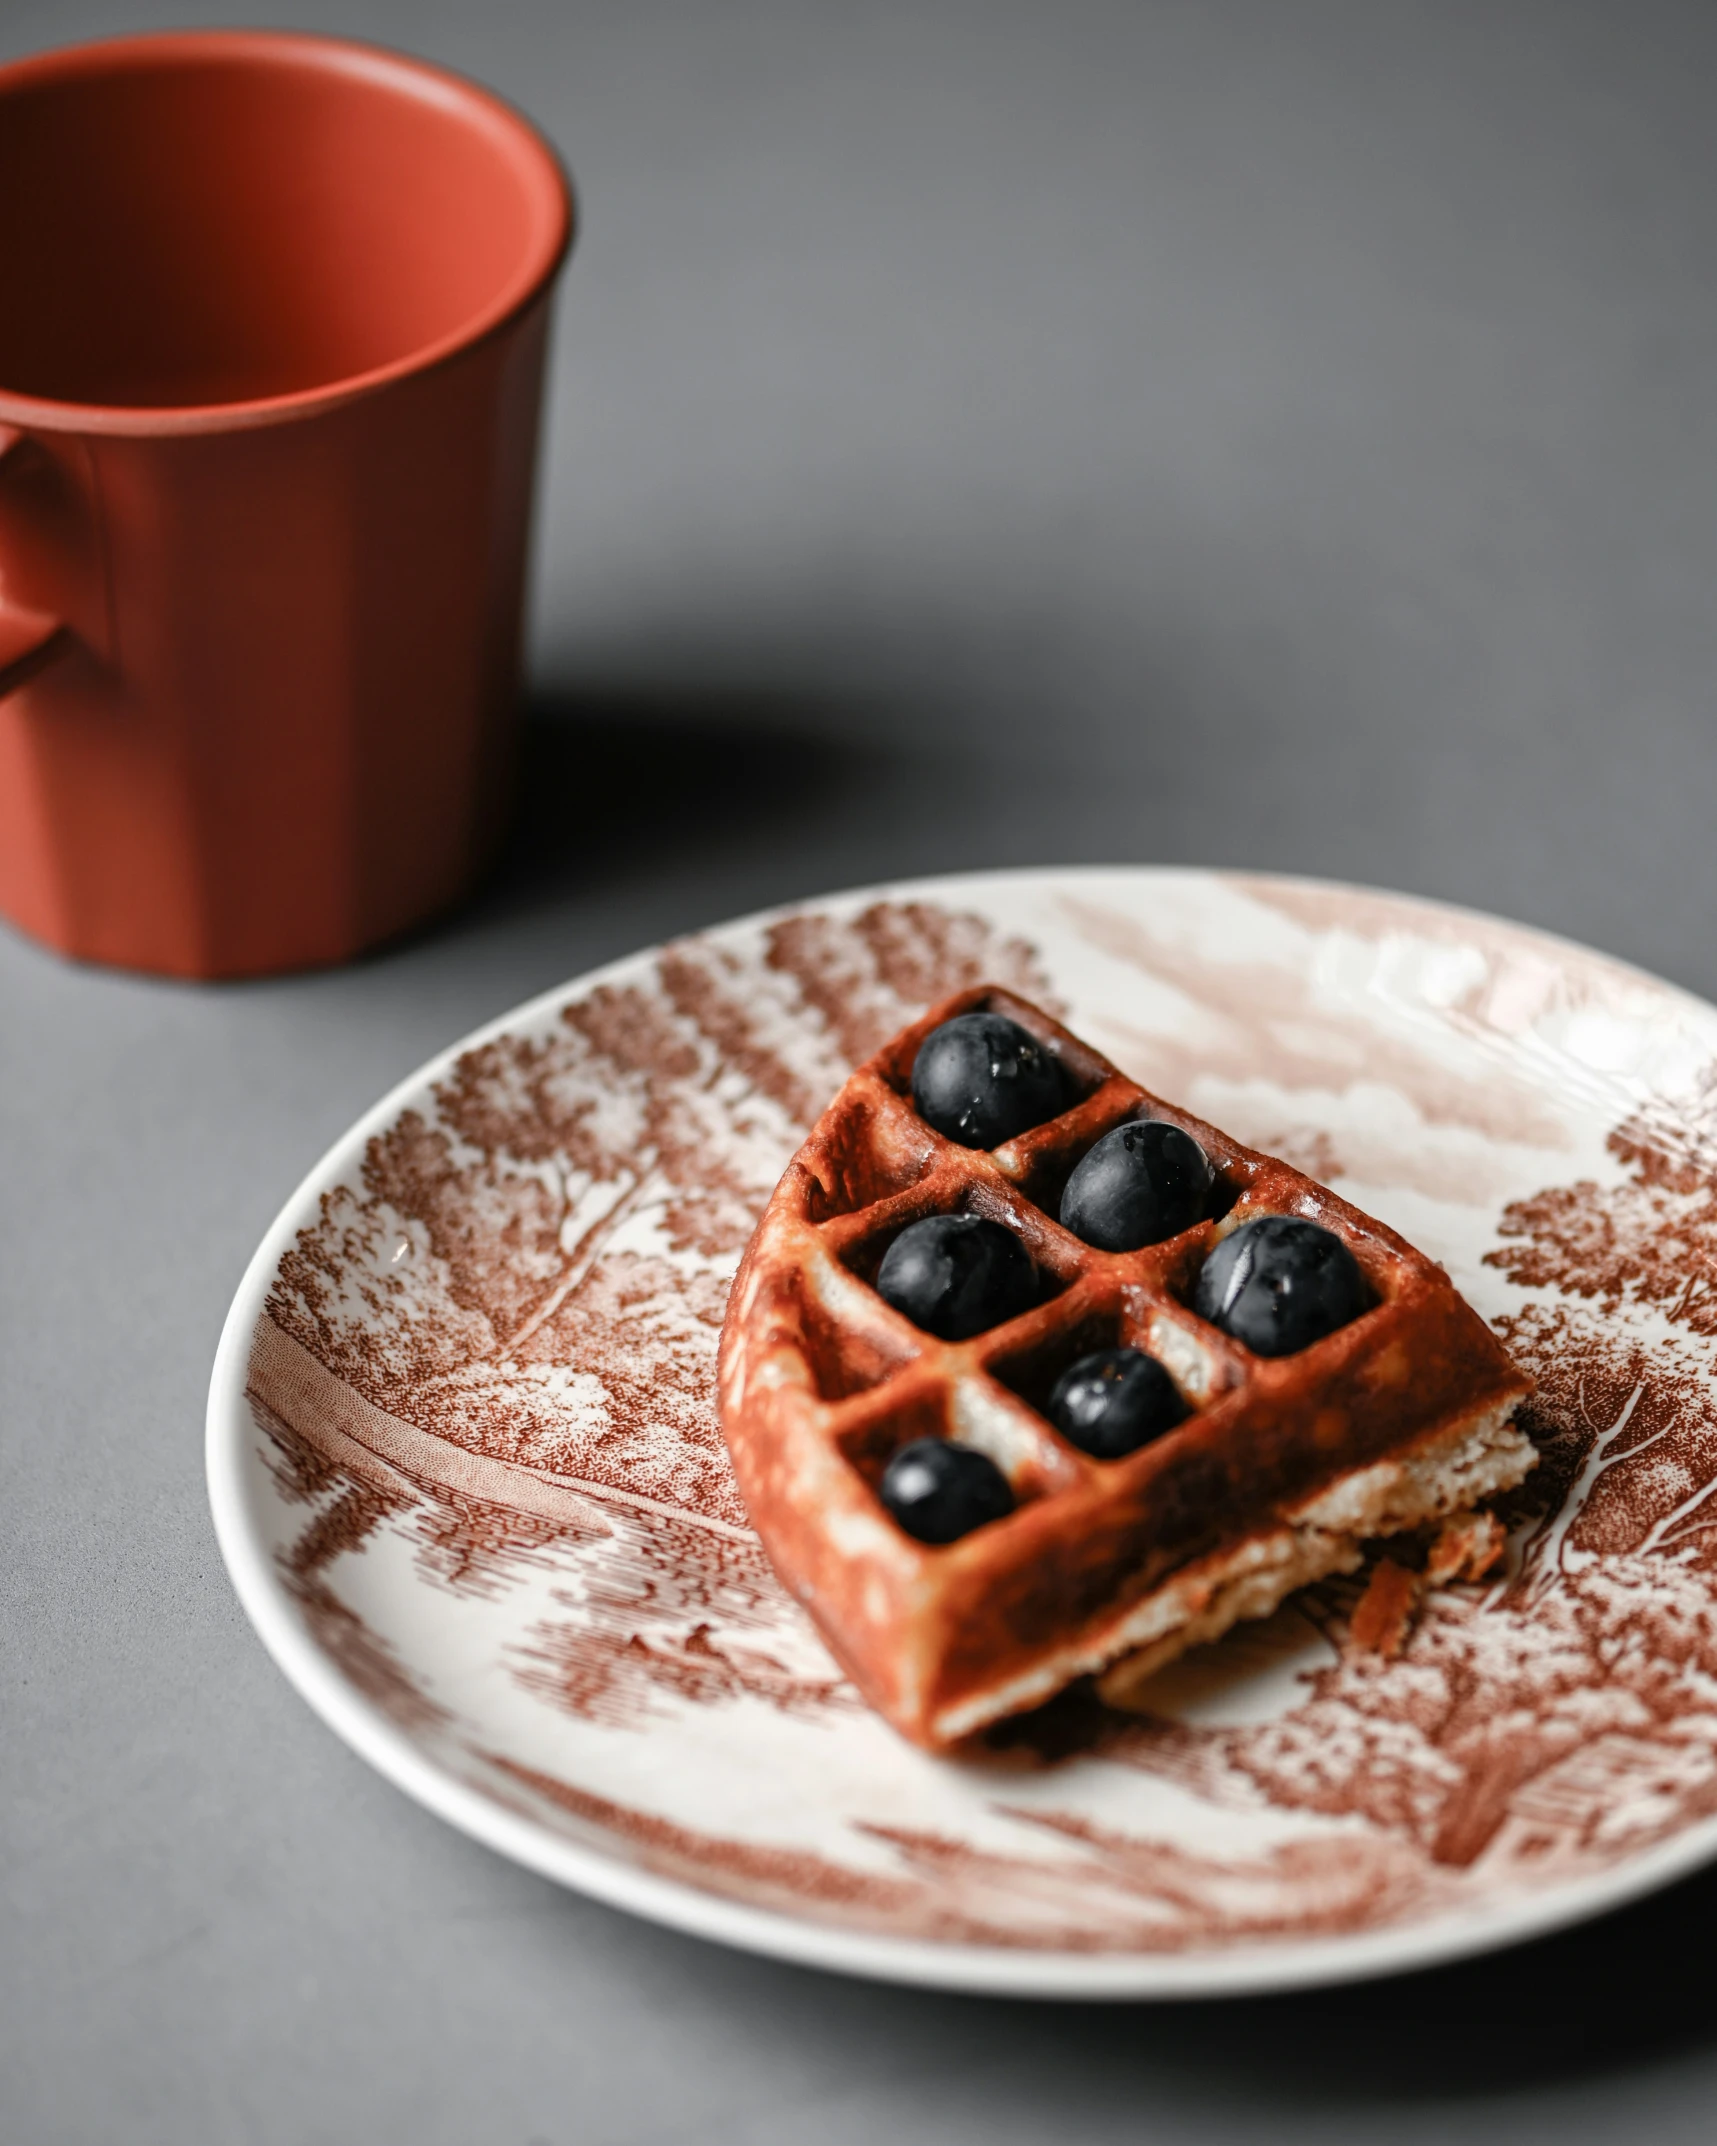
(469, 1483)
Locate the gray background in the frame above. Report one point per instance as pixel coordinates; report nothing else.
(1276, 433)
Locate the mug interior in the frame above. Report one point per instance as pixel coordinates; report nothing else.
(185, 225)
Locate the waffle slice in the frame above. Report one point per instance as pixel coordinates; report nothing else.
(1281, 1473)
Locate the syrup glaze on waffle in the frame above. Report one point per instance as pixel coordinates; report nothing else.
(821, 1382)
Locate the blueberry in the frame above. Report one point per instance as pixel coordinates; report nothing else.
(1141, 1183)
(954, 1275)
(1114, 1401)
(940, 1491)
(1280, 1283)
(980, 1078)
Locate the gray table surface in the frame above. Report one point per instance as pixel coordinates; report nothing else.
(1279, 433)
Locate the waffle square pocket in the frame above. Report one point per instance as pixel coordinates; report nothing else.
(926, 1480)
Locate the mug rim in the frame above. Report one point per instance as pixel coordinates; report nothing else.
(527, 150)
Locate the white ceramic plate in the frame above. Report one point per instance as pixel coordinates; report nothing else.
(469, 1484)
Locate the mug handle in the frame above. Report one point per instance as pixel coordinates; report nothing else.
(29, 640)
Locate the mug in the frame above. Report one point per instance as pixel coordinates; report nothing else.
(273, 315)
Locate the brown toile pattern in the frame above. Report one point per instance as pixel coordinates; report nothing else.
(534, 1268)
(1088, 1889)
(528, 1283)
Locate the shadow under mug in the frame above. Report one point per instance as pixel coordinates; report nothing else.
(273, 315)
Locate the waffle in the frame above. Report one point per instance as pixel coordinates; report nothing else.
(1280, 1474)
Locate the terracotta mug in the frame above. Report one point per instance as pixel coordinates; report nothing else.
(273, 312)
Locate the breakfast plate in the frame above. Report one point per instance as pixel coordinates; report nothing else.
(468, 1479)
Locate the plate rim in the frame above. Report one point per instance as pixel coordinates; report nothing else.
(1018, 1971)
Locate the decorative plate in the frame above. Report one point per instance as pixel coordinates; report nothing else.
(469, 1482)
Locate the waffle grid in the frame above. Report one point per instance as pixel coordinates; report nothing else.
(822, 1381)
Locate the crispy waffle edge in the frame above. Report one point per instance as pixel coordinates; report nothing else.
(1103, 1566)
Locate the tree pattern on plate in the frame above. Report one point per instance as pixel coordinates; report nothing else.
(535, 1266)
